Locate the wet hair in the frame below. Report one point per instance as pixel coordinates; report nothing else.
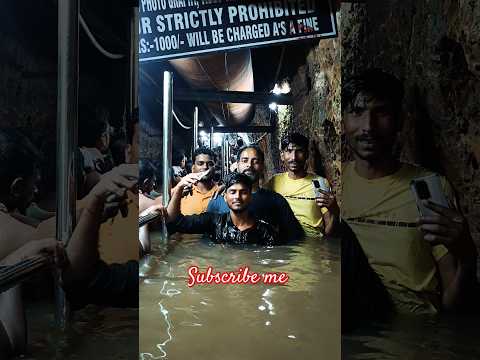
(204, 151)
(132, 120)
(237, 178)
(18, 158)
(259, 151)
(90, 126)
(294, 138)
(377, 83)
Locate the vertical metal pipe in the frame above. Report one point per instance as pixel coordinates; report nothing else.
(223, 159)
(167, 140)
(211, 137)
(228, 156)
(195, 128)
(167, 134)
(133, 61)
(67, 108)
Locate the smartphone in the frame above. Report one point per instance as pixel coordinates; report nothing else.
(188, 190)
(207, 174)
(428, 188)
(320, 184)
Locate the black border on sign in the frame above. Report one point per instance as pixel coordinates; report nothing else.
(254, 45)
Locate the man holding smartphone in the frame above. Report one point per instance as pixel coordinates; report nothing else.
(427, 263)
(265, 204)
(314, 207)
(238, 226)
(201, 184)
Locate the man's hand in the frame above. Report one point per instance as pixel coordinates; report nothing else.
(449, 228)
(116, 182)
(187, 182)
(44, 247)
(190, 179)
(156, 209)
(327, 200)
(111, 191)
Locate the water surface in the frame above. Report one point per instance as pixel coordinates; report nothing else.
(409, 337)
(92, 333)
(300, 320)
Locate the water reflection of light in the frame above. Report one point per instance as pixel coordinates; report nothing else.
(197, 314)
(267, 293)
(267, 303)
(169, 292)
(184, 323)
(270, 307)
(146, 356)
(160, 347)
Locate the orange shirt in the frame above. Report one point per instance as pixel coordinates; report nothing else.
(196, 203)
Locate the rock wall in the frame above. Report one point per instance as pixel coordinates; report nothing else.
(28, 98)
(316, 112)
(434, 48)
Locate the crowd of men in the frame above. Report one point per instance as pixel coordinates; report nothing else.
(287, 203)
(107, 217)
(394, 258)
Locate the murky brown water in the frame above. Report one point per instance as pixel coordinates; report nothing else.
(416, 338)
(298, 321)
(93, 333)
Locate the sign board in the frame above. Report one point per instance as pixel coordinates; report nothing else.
(181, 28)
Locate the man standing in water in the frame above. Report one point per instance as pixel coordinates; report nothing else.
(115, 285)
(238, 226)
(427, 263)
(200, 194)
(266, 204)
(317, 214)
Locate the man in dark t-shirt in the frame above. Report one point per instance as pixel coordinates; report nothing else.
(265, 205)
(238, 226)
(221, 228)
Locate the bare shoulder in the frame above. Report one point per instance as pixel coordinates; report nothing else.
(14, 234)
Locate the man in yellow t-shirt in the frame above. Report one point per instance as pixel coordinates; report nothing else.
(317, 214)
(197, 201)
(383, 214)
(425, 262)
